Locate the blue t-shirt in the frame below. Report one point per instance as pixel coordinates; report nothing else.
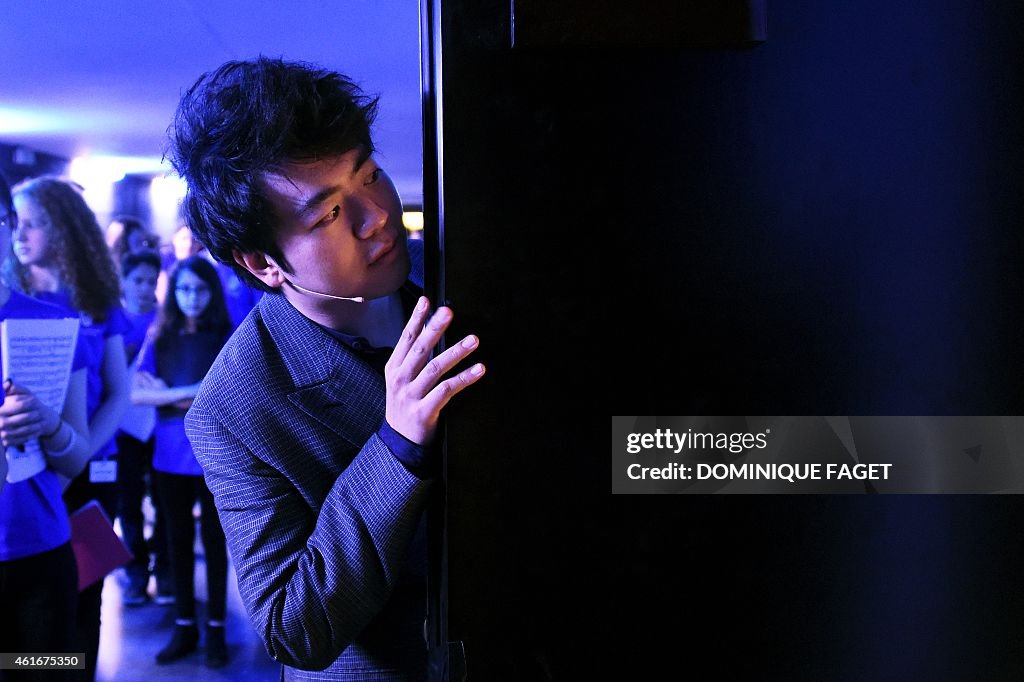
(180, 361)
(135, 341)
(135, 337)
(32, 514)
(238, 296)
(93, 338)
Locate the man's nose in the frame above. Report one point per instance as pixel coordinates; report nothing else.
(374, 218)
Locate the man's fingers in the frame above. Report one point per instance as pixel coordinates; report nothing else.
(419, 352)
(447, 389)
(441, 365)
(411, 332)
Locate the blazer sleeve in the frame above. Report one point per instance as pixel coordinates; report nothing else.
(310, 581)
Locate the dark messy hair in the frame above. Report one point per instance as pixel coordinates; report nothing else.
(214, 318)
(246, 120)
(134, 260)
(75, 245)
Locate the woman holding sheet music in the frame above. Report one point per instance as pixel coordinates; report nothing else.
(60, 257)
(38, 575)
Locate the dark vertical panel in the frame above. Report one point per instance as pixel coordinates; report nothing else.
(825, 224)
(436, 630)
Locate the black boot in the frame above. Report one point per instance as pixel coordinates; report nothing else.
(216, 648)
(183, 642)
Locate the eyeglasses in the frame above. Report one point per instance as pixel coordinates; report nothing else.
(198, 291)
(9, 221)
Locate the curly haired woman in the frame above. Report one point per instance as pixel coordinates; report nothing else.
(60, 257)
(38, 575)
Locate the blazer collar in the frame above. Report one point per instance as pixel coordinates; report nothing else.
(325, 375)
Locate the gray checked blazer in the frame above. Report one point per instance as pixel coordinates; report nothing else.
(319, 515)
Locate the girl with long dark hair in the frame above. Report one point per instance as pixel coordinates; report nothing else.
(192, 328)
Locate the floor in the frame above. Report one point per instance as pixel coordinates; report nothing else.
(131, 636)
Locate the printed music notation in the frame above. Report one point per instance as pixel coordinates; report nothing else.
(37, 354)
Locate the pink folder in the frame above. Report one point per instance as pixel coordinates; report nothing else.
(98, 549)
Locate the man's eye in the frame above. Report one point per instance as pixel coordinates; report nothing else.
(374, 175)
(329, 218)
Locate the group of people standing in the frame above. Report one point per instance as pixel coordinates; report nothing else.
(132, 348)
(316, 425)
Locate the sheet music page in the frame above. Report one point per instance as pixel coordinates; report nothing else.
(37, 354)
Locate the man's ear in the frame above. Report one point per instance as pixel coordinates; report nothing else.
(260, 266)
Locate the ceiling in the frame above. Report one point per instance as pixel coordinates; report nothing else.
(102, 77)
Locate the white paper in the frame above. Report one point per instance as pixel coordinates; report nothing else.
(139, 421)
(37, 354)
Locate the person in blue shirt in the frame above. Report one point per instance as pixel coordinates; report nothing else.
(193, 326)
(60, 257)
(316, 425)
(139, 272)
(38, 574)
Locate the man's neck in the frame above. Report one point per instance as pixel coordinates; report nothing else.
(385, 320)
(378, 320)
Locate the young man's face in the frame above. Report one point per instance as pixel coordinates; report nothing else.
(339, 227)
(139, 286)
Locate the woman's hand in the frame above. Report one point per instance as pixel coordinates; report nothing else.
(188, 394)
(146, 380)
(23, 417)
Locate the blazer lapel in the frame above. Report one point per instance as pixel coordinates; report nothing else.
(331, 384)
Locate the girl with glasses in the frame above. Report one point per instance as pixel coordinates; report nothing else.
(192, 328)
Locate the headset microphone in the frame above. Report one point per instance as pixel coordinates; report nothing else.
(357, 299)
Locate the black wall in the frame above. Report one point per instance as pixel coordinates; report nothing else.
(825, 223)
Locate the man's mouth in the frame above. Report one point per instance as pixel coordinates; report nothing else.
(382, 252)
